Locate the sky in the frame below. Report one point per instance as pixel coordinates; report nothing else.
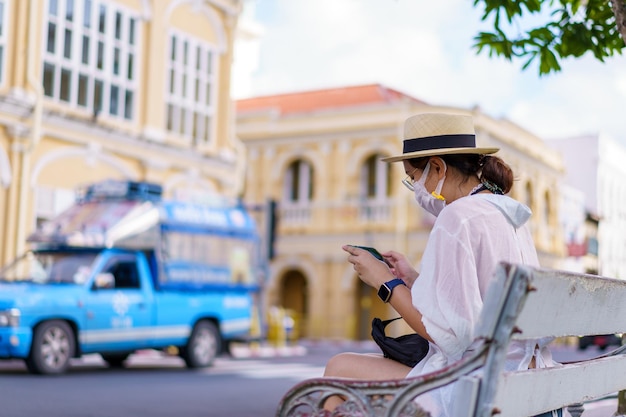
(424, 48)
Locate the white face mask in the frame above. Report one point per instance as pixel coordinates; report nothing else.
(431, 202)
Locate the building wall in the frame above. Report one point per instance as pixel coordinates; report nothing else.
(337, 143)
(595, 166)
(59, 130)
(611, 197)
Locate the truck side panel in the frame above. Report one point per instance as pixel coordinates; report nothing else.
(230, 310)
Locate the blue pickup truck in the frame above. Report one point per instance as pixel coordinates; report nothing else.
(123, 270)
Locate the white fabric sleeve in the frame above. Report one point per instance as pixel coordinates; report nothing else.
(447, 293)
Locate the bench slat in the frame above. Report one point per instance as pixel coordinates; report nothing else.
(586, 305)
(525, 393)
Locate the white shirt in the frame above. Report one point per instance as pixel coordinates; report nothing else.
(468, 240)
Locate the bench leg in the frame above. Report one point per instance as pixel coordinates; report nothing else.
(621, 400)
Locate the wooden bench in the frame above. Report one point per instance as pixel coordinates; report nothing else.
(522, 303)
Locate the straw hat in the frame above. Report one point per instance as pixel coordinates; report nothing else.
(430, 134)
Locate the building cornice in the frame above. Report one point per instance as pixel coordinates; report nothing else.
(122, 142)
(230, 7)
(258, 127)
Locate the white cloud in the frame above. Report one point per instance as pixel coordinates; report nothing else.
(584, 99)
(424, 49)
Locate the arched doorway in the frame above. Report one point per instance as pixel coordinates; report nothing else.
(294, 298)
(368, 306)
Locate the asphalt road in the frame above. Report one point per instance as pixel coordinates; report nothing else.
(159, 386)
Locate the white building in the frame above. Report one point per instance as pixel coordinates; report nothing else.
(579, 232)
(596, 165)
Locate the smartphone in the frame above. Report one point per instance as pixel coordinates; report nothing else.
(373, 251)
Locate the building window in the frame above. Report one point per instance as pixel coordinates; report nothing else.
(547, 210)
(191, 77)
(374, 190)
(375, 178)
(3, 36)
(592, 246)
(50, 202)
(89, 56)
(299, 182)
(48, 79)
(528, 197)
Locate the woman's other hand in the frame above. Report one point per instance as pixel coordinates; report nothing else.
(401, 267)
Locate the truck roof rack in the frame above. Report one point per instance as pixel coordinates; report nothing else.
(119, 190)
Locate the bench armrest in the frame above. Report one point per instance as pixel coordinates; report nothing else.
(373, 398)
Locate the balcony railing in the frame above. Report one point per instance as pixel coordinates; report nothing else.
(336, 213)
(295, 214)
(375, 210)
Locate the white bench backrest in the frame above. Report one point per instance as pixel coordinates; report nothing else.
(564, 304)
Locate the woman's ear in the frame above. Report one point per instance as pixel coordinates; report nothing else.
(439, 166)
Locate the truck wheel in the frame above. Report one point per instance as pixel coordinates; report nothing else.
(52, 347)
(114, 360)
(203, 345)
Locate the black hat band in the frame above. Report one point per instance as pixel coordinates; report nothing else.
(439, 142)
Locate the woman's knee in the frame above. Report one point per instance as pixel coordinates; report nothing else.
(340, 365)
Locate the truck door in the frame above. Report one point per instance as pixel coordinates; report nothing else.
(119, 317)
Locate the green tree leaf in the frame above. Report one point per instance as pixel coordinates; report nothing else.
(573, 29)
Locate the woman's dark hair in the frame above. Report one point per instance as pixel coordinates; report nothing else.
(486, 167)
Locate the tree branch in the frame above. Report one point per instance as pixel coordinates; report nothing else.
(619, 10)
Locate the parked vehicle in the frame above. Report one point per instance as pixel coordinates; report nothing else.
(123, 270)
(602, 341)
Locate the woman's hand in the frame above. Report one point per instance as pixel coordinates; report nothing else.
(375, 273)
(370, 270)
(400, 267)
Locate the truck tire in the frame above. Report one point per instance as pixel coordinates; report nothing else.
(52, 348)
(203, 345)
(115, 360)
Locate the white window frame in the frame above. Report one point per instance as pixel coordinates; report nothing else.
(183, 109)
(75, 64)
(381, 191)
(4, 4)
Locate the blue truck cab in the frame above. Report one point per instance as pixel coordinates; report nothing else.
(123, 270)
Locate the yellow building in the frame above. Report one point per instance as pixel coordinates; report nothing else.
(317, 153)
(122, 89)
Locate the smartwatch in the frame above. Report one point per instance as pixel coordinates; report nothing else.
(384, 292)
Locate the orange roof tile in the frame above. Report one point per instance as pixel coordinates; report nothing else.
(307, 101)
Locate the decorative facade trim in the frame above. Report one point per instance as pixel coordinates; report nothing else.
(216, 22)
(91, 154)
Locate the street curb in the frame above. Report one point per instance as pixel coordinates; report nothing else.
(256, 350)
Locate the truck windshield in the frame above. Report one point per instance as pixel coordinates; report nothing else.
(58, 267)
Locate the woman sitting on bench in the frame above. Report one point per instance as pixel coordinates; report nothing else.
(476, 227)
